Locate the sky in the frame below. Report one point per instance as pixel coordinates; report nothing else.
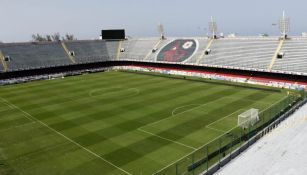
(182, 18)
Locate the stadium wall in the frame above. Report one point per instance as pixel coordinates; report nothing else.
(244, 76)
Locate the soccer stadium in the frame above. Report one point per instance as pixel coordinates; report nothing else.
(163, 105)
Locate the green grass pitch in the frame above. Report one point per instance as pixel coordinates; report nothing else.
(115, 122)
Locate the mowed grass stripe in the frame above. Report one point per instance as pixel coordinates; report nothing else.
(56, 94)
(136, 149)
(27, 115)
(109, 126)
(106, 133)
(62, 83)
(176, 131)
(131, 106)
(79, 107)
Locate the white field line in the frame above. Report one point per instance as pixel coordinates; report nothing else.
(225, 117)
(218, 130)
(208, 126)
(15, 107)
(18, 126)
(237, 126)
(26, 114)
(173, 112)
(181, 113)
(214, 139)
(5, 103)
(179, 143)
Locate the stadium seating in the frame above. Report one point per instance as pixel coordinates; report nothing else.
(159, 45)
(88, 51)
(295, 59)
(249, 52)
(137, 49)
(25, 56)
(241, 52)
(202, 44)
(112, 49)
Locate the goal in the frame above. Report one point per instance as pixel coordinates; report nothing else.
(248, 118)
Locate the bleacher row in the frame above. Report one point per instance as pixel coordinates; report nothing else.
(241, 53)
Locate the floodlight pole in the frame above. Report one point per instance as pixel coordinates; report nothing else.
(213, 27)
(284, 25)
(161, 31)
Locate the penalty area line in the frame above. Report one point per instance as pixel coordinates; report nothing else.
(218, 130)
(211, 141)
(179, 143)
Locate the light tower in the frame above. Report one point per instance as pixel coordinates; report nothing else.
(161, 31)
(284, 25)
(213, 28)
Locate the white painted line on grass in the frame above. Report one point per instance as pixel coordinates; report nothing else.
(166, 139)
(15, 107)
(182, 112)
(218, 130)
(173, 112)
(213, 139)
(5, 103)
(27, 115)
(225, 117)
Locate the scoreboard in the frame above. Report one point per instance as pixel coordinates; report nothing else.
(116, 34)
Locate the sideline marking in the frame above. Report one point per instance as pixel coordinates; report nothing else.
(27, 115)
(179, 143)
(5, 103)
(15, 107)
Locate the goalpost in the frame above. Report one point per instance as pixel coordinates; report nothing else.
(248, 118)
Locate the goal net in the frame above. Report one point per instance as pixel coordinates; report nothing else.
(248, 118)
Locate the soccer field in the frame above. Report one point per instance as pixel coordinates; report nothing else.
(115, 122)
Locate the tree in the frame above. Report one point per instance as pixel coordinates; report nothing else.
(70, 37)
(56, 37)
(38, 38)
(48, 38)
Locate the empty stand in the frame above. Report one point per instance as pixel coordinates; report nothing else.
(112, 49)
(88, 51)
(137, 49)
(241, 52)
(295, 59)
(202, 45)
(25, 56)
(69, 53)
